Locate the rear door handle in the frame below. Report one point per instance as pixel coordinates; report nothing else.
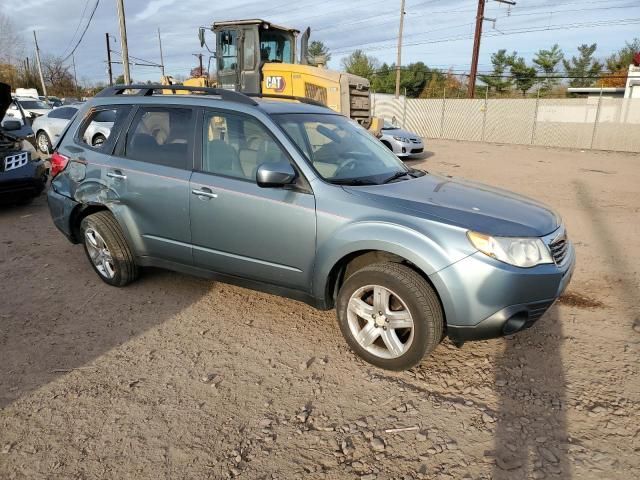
(204, 192)
(117, 174)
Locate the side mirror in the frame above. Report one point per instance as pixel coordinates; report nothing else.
(201, 36)
(270, 175)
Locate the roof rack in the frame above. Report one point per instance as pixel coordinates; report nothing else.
(147, 91)
(307, 100)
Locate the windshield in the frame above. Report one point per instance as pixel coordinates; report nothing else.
(34, 104)
(275, 46)
(340, 150)
(389, 126)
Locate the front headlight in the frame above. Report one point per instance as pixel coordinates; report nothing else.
(401, 139)
(520, 252)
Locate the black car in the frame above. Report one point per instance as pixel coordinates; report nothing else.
(22, 177)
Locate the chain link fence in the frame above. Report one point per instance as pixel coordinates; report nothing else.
(599, 123)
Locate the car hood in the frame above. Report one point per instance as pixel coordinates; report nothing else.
(5, 99)
(400, 132)
(466, 204)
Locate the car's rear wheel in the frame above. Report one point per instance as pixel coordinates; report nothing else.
(98, 140)
(107, 249)
(389, 315)
(43, 142)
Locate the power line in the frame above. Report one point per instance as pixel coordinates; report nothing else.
(630, 21)
(83, 32)
(84, 10)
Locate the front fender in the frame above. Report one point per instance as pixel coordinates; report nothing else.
(429, 253)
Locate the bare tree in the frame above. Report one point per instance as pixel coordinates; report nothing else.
(11, 49)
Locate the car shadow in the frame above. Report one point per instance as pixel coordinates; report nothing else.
(530, 423)
(620, 268)
(57, 316)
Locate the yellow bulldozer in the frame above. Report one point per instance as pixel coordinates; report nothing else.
(259, 57)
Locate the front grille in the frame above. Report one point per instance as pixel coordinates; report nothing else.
(11, 162)
(360, 103)
(559, 248)
(315, 92)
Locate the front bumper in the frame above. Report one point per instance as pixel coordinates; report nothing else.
(404, 150)
(484, 298)
(24, 182)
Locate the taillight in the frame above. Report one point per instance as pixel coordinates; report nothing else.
(58, 163)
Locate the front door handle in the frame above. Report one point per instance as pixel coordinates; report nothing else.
(204, 192)
(117, 174)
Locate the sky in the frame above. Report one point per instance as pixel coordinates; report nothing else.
(437, 32)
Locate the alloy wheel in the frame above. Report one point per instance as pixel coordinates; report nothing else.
(380, 321)
(99, 253)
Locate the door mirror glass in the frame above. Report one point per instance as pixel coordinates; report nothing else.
(201, 36)
(11, 125)
(275, 175)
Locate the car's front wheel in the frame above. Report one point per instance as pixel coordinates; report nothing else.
(107, 249)
(389, 315)
(43, 142)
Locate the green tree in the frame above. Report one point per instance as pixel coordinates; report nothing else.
(547, 62)
(361, 64)
(621, 59)
(497, 80)
(317, 49)
(583, 69)
(523, 75)
(119, 80)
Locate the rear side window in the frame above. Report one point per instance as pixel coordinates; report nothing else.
(162, 135)
(97, 133)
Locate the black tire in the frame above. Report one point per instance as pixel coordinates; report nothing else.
(420, 299)
(387, 144)
(44, 138)
(98, 140)
(124, 266)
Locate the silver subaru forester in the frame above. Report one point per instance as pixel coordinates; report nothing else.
(294, 199)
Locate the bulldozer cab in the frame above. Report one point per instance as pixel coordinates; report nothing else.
(244, 46)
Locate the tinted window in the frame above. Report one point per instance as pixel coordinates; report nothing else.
(163, 136)
(249, 49)
(229, 46)
(34, 105)
(65, 113)
(235, 146)
(106, 116)
(95, 133)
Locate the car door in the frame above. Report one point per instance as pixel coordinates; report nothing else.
(238, 228)
(148, 178)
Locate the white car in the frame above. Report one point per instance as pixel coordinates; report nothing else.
(33, 107)
(401, 142)
(49, 126)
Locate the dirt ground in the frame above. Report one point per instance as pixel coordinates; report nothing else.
(176, 377)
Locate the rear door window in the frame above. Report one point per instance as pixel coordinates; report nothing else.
(100, 125)
(163, 136)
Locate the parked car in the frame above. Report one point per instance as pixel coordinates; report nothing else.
(53, 102)
(22, 177)
(401, 142)
(294, 199)
(49, 126)
(33, 107)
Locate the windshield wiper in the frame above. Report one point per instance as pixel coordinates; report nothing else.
(397, 175)
(353, 181)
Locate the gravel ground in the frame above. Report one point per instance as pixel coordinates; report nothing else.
(178, 377)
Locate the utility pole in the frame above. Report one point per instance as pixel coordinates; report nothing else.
(199, 55)
(161, 57)
(75, 76)
(399, 59)
(123, 41)
(44, 87)
(109, 60)
(476, 44)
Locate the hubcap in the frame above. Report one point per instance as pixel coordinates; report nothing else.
(42, 143)
(380, 321)
(99, 253)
